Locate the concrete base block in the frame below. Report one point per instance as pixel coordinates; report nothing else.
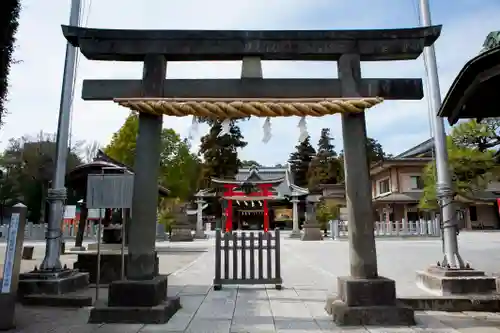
(368, 302)
(376, 315)
(447, 282)
(476, 303)
(312, 232)
(159, 314)
(111, 265)
(52, 283)
(140, 302)
(145, 293)
(366, 292)
(7, 311)
(77, 249)
(295, 234)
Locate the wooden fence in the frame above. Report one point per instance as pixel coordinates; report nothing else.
(236, 262)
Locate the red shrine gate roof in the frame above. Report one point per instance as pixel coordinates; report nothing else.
(280, 178)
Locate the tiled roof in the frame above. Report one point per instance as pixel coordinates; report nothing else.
(422, 148)
(285, 188)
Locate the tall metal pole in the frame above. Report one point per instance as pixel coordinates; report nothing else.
(57, 194)
(444, 189)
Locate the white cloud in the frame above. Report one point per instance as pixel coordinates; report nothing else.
(36, 81)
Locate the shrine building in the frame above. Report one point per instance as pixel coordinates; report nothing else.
(257, 198)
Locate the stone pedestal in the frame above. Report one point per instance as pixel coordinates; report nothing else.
(181, 233)
(368, 302)
(143, 302)
(181, 229)
(52, 283)
(447, 282)
(311, 229)
(311, 232)
(111, 265)
(295, 234)
(54, 288)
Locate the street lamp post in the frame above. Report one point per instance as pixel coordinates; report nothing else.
(57, 193)
(53, 278)
(451, 275)
(444, 187)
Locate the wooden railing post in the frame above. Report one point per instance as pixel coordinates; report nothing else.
(234, 249)
(226, 255)
(277, 257)
(260, 257)
(252, 256)
(217, 279)
(269, 238)
(243, 256)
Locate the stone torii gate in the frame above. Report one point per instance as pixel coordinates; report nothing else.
(364, 297)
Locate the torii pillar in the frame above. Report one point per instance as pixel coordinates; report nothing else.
(364, 297)
(142, 297)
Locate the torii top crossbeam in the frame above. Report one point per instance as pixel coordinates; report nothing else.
(189, 45)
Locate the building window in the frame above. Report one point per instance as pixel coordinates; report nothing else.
(416, 183)
(383, 186)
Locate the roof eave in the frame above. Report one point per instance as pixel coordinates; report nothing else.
(274, 181)
(467, 80)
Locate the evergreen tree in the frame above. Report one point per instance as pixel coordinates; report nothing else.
(300, 161)
(374, 152)
(325, 168)
(220, 153)
(9, 15)
(250, 163)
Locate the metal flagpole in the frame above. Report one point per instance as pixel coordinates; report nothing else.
(444, 189)
(57, 194)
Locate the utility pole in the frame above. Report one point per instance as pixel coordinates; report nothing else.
(444, 186)
(57, 193)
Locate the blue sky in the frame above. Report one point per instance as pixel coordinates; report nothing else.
(36, 80)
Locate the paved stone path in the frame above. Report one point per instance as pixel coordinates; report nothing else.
(309, 271)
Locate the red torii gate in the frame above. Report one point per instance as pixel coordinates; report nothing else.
(230, 192)
(264, 193)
